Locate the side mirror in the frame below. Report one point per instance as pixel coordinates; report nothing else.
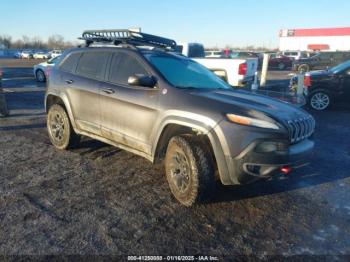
(142, 80)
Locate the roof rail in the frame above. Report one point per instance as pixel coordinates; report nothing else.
(126, 36)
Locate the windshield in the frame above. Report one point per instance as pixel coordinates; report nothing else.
(185, 73)
(340, 67)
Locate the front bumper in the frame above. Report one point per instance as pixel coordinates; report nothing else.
(247, 80)
(251, 165)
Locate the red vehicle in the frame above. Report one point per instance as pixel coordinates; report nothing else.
(280, 62)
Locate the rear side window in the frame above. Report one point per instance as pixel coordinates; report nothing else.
(325, 55)
(123, 66)
(70, 63)
(338, 56)
(93, 64)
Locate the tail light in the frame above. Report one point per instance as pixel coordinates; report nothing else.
(307, 80)
(242, 69)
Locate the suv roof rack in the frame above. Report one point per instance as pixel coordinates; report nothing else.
(126, 36)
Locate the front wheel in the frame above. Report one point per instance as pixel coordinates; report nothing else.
(281, 66)
(61, 133)
(303, 68)
(320, 100)
(189, 170)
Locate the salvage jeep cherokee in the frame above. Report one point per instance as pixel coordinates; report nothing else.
(132, 91)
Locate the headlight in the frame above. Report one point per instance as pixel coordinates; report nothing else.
(248, 121)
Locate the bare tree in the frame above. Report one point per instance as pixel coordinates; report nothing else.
(6, 40)
(27, 43)
(18, 44)
(56, 42)
(37, 42)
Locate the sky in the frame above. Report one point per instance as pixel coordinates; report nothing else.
(211, 22)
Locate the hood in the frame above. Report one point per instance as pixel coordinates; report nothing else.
(320, 73)
(302, 60)
(251, 105)
(44, 64)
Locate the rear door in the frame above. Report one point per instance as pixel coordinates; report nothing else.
(84, 86)
(128, 113)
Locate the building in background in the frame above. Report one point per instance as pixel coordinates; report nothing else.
(316, 39)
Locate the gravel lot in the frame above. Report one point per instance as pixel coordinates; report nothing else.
(100, 200)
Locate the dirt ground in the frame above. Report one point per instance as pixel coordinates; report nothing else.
(100, 200)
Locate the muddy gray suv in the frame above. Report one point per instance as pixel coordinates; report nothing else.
(138, 95)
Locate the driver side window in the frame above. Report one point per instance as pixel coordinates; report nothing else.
(123, 66)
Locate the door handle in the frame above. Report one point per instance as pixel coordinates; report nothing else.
(69, 82)
(108, 91)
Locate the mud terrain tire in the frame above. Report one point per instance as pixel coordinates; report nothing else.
(189, 170)
(60, 130)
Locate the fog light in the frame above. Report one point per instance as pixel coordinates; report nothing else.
(286, 170)
(271, 146)
(266, 147)
(255, 169)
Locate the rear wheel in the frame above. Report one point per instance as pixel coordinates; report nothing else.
(320, 100)
(40, 76)
(61, 133)
(189, 170)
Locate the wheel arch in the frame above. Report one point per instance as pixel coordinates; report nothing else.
(52, 99)
(206, 135)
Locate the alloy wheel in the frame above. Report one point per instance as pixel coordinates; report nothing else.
(40, 76)
(180, 171)
(57, 127)
(320, 101)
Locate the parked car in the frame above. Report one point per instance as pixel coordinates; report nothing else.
(280, 62)
(17, 54)
(243, 54)
(40, 69)
(326, 87)
(27, 54)
(213, 53)
(162, 105)
(55, 53)
(295, 55)
(321, 60)
(41, 55)
(237, 72)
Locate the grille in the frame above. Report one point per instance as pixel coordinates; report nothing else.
(300, 129)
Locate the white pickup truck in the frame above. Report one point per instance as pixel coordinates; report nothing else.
(235, 71)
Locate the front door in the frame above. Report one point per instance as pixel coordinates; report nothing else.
(346, 87)
(128, 113)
